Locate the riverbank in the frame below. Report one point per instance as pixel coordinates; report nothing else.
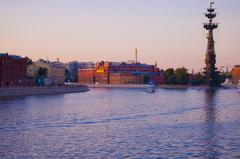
(166, 86)
(144, 86)
(116, 85)
(27, 91)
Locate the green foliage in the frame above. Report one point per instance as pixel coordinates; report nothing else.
(168, 72)
(198, 79)
(169, 76)
(171, 79)
(181, 76)
(222, 78)
(42, 72)
(67, 75)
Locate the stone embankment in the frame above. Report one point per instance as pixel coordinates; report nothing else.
(26, 91)
(164, 86)
(117, 85)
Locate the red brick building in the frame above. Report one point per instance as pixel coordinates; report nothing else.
(120, 73)
(236, 74)
(86, 76)
(102, 72)
(13, 70)
(125, 78)
(125, 67)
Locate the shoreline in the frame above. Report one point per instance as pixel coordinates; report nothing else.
(29, 91)
(116, 85)
(163, 86)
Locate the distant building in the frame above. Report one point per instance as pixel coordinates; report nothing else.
(120, 73)
(86, 76)
(125, 78)
(13, 70)
(102, 72)
(236, 74)
(55, 70)
(75, 65)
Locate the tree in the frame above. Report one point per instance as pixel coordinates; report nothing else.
(169, 76)
(67, 75)
(42, 72)
(198, 79)
(223, 77)
(181, 76)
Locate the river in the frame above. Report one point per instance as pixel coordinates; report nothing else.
(122, 123)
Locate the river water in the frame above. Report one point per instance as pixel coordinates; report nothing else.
(122, 123)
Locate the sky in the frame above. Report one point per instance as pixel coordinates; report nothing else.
(167, 31)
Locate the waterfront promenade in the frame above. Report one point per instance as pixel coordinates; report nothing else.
(117, 85)
(26, 91)
(143, 86)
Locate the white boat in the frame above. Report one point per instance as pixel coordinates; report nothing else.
(150, 88)
(238, 86)
(227, 83)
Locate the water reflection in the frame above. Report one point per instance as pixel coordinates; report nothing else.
(122, 123)
(211, 135)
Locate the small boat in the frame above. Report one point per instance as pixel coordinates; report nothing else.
(150, 88)
(227, 83)
(238, 86)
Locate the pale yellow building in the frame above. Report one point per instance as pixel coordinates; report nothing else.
(55, 70)
(32, 71)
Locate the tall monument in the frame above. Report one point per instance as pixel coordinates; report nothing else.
(211, 73)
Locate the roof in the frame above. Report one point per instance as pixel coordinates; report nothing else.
(15, 57)
(133, 65)
(237, 66)
(3, 54)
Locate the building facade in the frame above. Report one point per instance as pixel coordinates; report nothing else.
(86, 76)
(13, 70)
(125, 78)
(236, 74)
(102, 72)
(120, 73)
(75, 65)
(55, 70)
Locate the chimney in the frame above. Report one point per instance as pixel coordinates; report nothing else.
(136, 56)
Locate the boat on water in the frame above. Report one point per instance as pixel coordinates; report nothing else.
(150, 88)
(227, 83)
(238, 86)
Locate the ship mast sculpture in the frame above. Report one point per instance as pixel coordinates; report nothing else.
(211, 73)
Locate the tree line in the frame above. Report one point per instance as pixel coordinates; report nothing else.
(180, 76)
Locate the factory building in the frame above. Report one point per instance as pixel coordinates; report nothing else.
(13, 70)
(236, 74)
(120, 73)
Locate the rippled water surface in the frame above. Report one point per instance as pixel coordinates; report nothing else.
(122, 123)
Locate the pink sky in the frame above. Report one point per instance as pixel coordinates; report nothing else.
(168, 32)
